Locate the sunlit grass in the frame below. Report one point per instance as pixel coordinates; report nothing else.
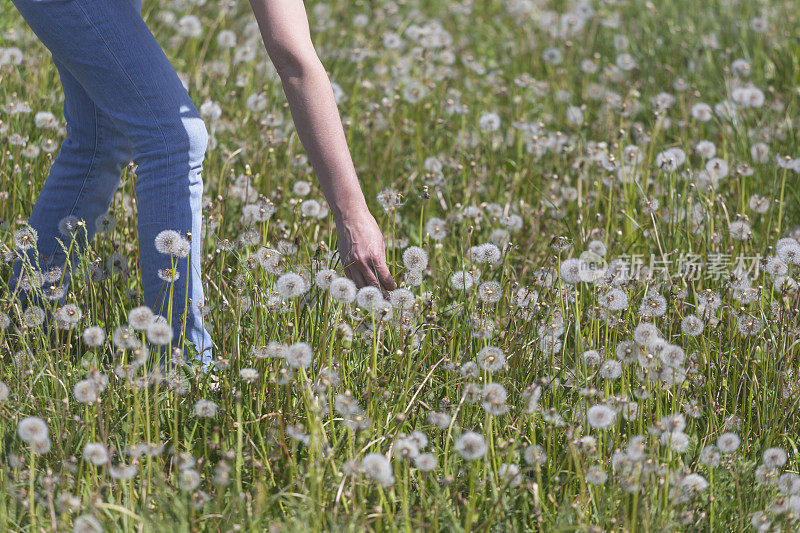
(590, 208)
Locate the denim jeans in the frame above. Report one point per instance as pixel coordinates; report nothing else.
(123, 101)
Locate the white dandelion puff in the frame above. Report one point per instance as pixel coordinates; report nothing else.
(415, 258)
(600, 416)
(299, 355)
(32, 429)
(95, 453)
(291, 285)
(377, 467)
(205, 408)
(491, 358)
(343, 290)
(471, 446)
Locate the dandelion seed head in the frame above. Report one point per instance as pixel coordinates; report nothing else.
(490, 292)
(389, 199)
(402, 299)
(406, 448)
(509, 475)
(653, 305)
(487, 253)
(710, 456)
(535, 455)
(491, 359)
(25, 238)
(610, 369)
(32, 429)
(188, 479)
(494, 397)
(85, 391)
(415, 258)
(169, 275)
(600, 416)
(95, 453)
(291, 285)
(86, 524)
(69, 314)
(139, 318)
(412, 278)
(461, 280)
(692, 326)
(570, 271)
(614, 300)
(70, 225)
(425, 462)
(471, 446)
(728, 442)
(369, 297)
(159, 333)
(436, 228)
(324, 278)
(774, 457)
(122, 472)
(33, 316)
(626, 351)
(672, 356)
(377, 467)
(740, 230)
(592, 357)
(343, 290)
(678, 441)
(249, 375)
(789, 483)
(694, 483)
(646, 333)
(170, 242)
(748, 325)
(789, 253)
(299, 355)
(439, 419)
(595, 475)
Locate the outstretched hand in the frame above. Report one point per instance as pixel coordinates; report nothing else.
(363, 253)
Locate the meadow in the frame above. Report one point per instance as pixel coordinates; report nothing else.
(591, 208)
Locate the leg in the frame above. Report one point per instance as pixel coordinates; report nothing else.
(109, 50)
(86, 172)
(84, 175)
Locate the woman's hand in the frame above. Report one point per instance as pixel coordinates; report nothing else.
(363, 252)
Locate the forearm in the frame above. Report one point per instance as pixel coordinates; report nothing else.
(284, 29)
(319, 126)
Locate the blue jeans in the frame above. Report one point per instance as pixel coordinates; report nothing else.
(123, 101)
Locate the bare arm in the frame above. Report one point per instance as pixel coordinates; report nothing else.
(285, 31)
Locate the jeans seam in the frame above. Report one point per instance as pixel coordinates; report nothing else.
(97, 142)
(88, 172)
(135, 88)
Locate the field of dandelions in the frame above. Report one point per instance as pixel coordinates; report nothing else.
(590, 207)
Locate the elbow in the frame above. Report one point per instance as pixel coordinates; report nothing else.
(294, 63)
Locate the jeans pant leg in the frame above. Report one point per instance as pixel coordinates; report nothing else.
(84, 175)
(106, 46)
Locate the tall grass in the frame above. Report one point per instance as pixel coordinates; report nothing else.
(603, 337)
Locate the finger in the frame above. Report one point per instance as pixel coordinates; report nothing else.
(355, 276)
(385, 277)
(369, 275)
(349, 267)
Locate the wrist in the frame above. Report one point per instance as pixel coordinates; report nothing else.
(353, 212)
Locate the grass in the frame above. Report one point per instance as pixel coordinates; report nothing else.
(285, 447)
